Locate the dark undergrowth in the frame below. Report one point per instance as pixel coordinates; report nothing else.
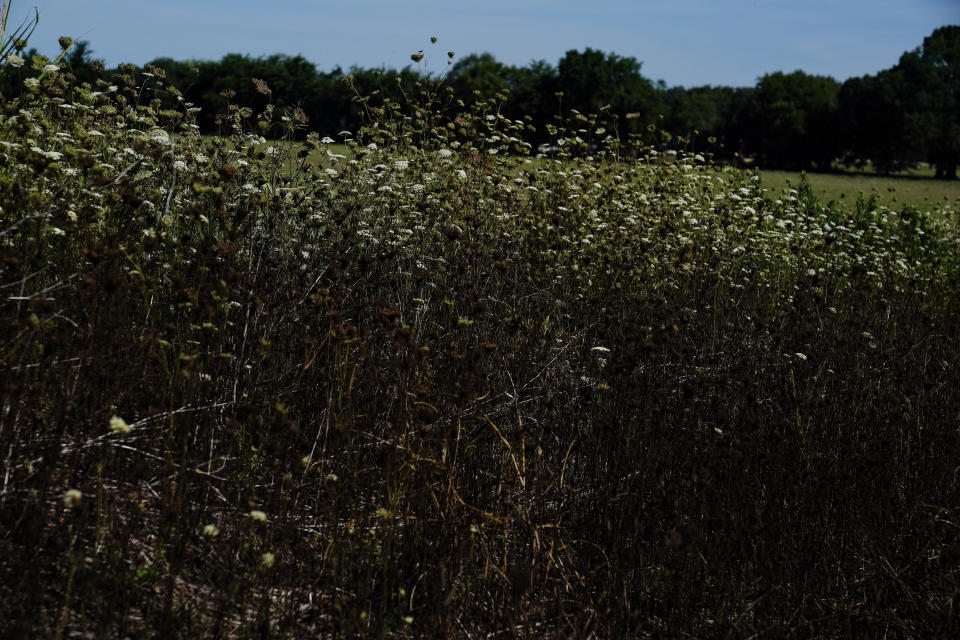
(442, 388)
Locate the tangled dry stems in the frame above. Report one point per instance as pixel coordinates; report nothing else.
(440, 385)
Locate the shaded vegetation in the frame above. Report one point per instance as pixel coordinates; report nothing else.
(444, 387)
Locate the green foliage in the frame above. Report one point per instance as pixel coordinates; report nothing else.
(890, 121)
(593, 81)
(440, 385)
(931, 76)
(793, 121)
(481, 74)
(873, 112)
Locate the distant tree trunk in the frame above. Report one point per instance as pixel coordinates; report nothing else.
(947, 169)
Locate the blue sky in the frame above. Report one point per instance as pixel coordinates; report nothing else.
(683, 42)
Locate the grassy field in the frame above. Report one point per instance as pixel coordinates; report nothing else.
(918, 191)
(435, 388)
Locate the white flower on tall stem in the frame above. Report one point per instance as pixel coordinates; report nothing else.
(119, 425)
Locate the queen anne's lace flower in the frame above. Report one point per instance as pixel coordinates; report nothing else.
(119, 425)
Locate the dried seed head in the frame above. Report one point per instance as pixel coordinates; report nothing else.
(261, 86)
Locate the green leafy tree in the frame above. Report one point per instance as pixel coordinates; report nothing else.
(293, 83)
(479, 74)
(699, 109)
(931, 76)
(794, 121)
(871, 109)
(530, 89)
(532, 97)
(701, 113)
(591, 79)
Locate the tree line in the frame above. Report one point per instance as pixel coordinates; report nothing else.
(892, 120)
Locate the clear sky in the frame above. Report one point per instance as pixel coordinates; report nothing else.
(683, 42)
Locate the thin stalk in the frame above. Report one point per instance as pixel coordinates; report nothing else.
(4, 12)
(23, 32)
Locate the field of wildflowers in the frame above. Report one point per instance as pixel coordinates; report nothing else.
(443, 386)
